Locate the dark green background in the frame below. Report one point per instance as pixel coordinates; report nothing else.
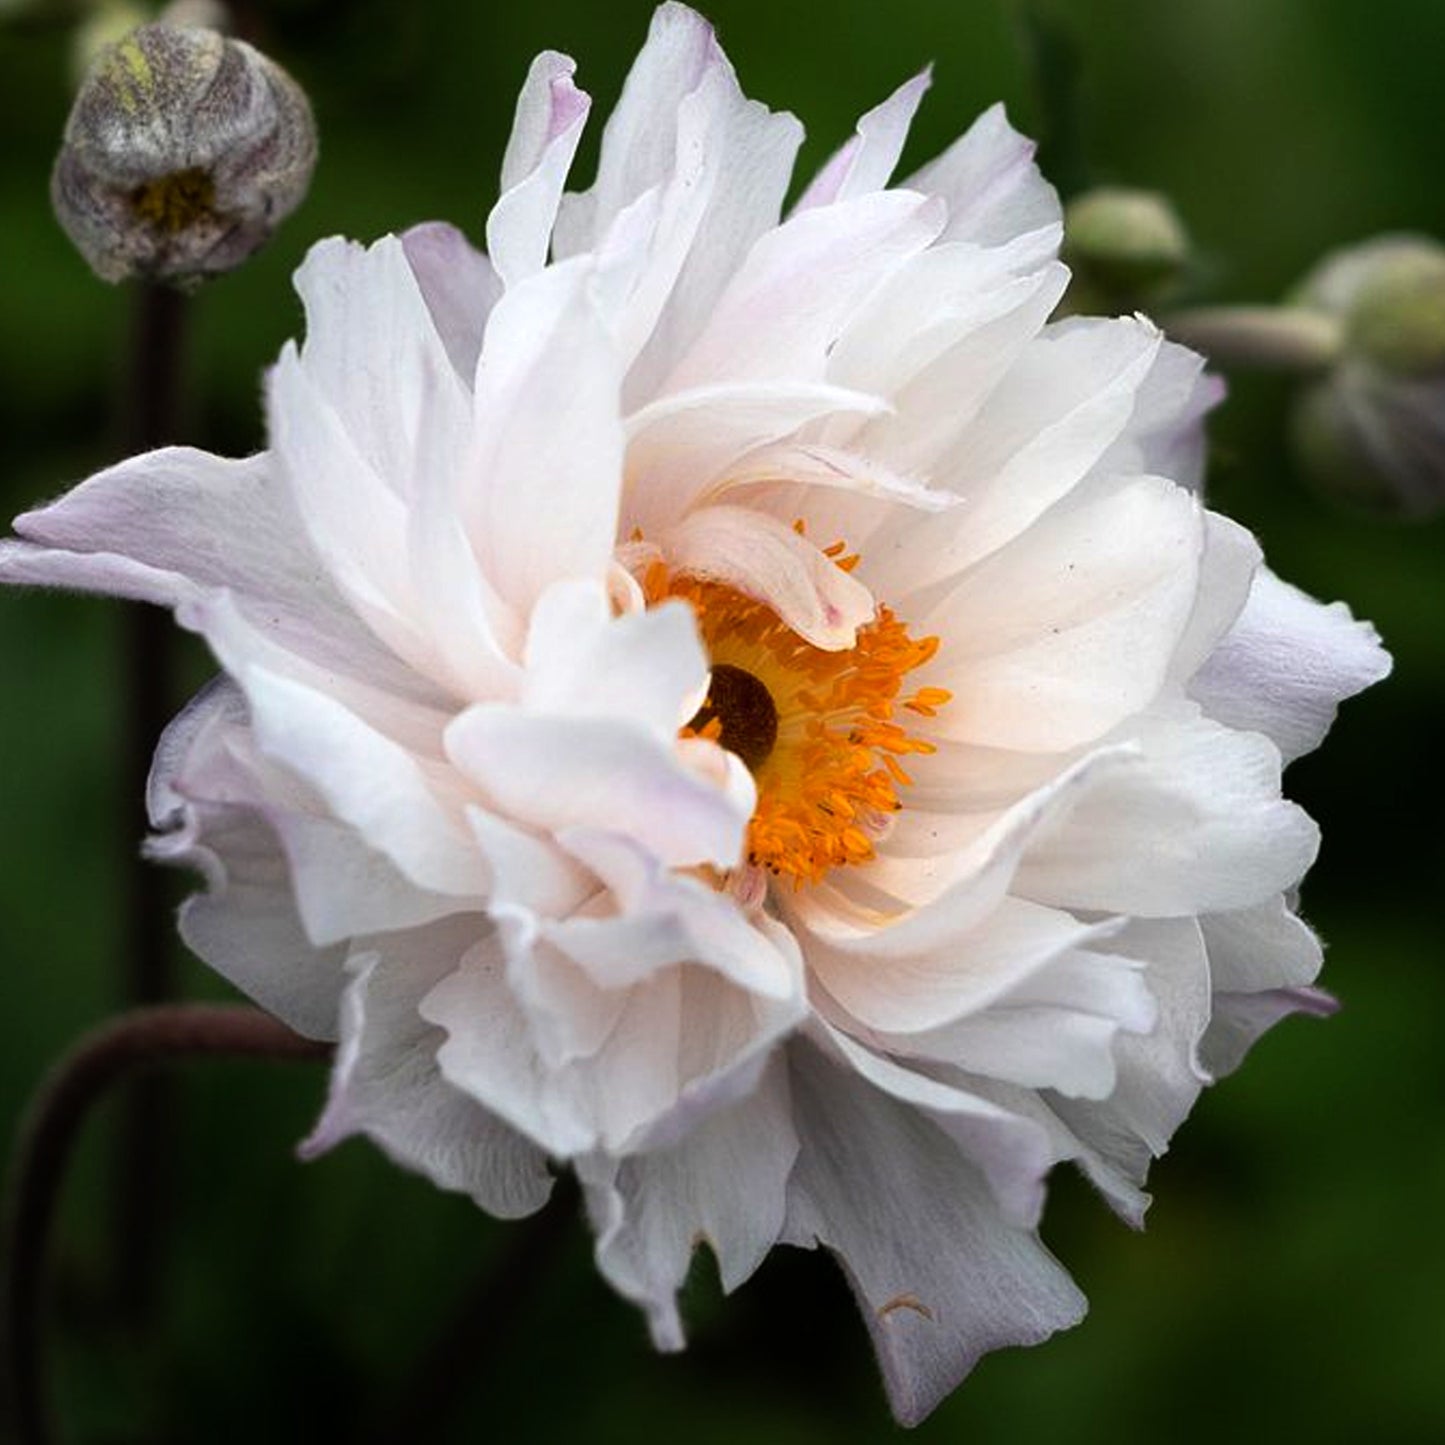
(1292, 1278)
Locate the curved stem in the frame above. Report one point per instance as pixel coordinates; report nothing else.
(47, 1138)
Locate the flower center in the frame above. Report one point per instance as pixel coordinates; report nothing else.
(746, 715)
(817, 729)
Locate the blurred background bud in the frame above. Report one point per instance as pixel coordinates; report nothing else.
(1127, 249)
(1372, 429)
(183, 152)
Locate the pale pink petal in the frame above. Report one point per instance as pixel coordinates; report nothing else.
(794, 294)
(993, 188)
(459, 286)
(768, 560)
(546, 471)
(550, 114)
(867, 161)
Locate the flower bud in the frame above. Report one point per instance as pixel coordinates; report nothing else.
(1373, 429)
(1126, 247)
(183, 152)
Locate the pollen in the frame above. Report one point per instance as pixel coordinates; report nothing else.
(825, 734)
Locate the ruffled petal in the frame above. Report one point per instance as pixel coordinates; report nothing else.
(724, 1185)
(246, 924)
(1286, 665)
(940, 1273)
(386, 1083)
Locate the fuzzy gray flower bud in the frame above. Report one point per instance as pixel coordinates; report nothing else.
(183, 152)
(1126, 247)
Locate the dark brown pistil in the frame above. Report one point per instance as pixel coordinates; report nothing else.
(745, 711)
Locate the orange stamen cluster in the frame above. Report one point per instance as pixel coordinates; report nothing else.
(831, 778)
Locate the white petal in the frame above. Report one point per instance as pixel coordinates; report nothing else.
(724, 1184)
(644, 1079)
(550, 114)
(680, 445)
(644, 667)
(1055, 414)
(1287, 664)
(545, 476)
(940, 1275)
(1197, 826)
(638, 142)
(866, 163)
(793, 295)
(1161, 1074)
(768, 560)
(562, 772)
(665, 918)
(386, 1083)
(1265, 947)
(1012, 1153)
(899, 990)
(1057, 1028)
(993, 188)
(367, 781)
(718, 165)
(1069, 630)
(195, 522)
(370, 349)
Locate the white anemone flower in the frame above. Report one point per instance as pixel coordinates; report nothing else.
(738, 705)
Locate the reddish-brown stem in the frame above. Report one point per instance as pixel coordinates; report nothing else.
(47, 1137)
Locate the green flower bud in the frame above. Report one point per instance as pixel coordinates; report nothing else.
(1390, 294)
(183, 152)
(1125, 247)
(1372, 431)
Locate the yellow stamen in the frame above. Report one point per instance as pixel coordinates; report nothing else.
(817, 729)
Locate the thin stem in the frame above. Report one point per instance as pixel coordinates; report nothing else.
(1264, 338)
(47, 1138)
(152, 420)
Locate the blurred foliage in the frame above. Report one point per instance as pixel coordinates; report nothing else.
(1290, 1279)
